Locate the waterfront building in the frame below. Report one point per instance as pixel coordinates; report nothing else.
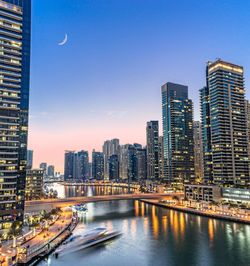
(97, 165)
(206, 135)
(177, 119)
(161, 158)
(76, 165)
(113, 167)
(82, 165)
(224, 125)
(132, 162)
(44, 166)
(152, 131)
(198, 154)
(69, 165)
(29, 159)
(141, 163)
(110, 147)
(51, 171)
(209, 193)
(247, 106)
(127, 162)
(238, 195)
(15, 17)
(34, 184)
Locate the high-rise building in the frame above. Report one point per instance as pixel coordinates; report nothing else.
(152, 131)
(15, 28)
(34, 184)
(51, 171)
(97, 165)
(76, 165)
(161, 158)
(29, 159)
(69, 165)
(206, 135)
(113, 167)
(82, 165)
(44, 166)
(110, 147)
(224, 125)
(141, 163)
(132, 162)
(177, 118)
(198, 155)
(247, 104)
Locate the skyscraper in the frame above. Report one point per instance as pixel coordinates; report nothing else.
(206, 135)
(51, 171)
(110, 147)
(141, 163)
(152, 149)
(97, 165)
(69, 165)
(76, 165)
(82, 165)
(198, 155)
(44, 166)
(177, 118)
(227, 125)
(113, 167)
(247, 104)
(14, 106)
(161, 158)
(29, 159)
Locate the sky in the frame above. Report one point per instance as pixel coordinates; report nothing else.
(105, 82)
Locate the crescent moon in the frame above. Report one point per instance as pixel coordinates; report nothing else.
(64, 40)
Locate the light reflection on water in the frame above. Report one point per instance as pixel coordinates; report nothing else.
(156, 236)
(80, 191)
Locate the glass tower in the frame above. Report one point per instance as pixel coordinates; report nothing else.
(15, 25)
(224, 125)
(152, 149)
(178, 144)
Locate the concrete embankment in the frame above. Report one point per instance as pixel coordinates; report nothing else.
(197, 212)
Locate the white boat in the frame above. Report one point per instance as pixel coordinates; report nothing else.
(91, 238)
(82, 208)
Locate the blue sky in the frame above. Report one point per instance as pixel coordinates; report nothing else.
(105, 81)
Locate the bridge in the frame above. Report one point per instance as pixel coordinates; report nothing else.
(48, 204)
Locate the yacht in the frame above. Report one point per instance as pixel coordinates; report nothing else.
(91, 238)
(81, 208)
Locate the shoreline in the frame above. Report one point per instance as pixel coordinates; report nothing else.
(196, 212)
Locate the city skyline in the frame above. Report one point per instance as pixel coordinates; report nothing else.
(121, 73)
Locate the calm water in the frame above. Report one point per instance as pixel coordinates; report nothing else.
(156, 236)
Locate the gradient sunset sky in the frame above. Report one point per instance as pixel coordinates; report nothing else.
(105, 81)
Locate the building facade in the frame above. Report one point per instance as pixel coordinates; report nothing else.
(15, 30)
(29, 159)
(76, 166)
(110, 147)
(51, 171)
(161, 158)
(152, 132)
(224, 116)
(34, 184)
(113, 167)
(177, 119)
(198, 154)
(97, 165)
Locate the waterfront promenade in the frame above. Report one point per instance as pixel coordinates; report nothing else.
(239, 218)
(42, 242)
